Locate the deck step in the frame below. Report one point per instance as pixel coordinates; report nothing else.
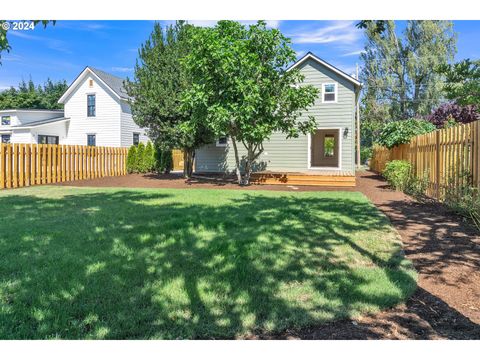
(303, 179)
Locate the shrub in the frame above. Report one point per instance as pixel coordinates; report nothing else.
(417, 186)
(132, 159)
(148, 158)
(400, 132)
(365, 154)
(398, 173)
(140, 164)
(464, 199)
(443, 115)
(164, 161)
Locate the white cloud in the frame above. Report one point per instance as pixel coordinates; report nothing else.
(121, 69)
(354, 53)
(53, 44)
(300, 53)
(340, 32)
(12, 58)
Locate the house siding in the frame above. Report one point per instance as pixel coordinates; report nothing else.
(105, 125)
(128, 127)
(282, 154)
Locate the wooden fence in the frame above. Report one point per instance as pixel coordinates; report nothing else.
(32, 164)
(177, 156)
(448, 158)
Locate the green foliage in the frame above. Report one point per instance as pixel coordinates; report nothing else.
(464, 199)
(31, 96)
(140, 163)
(462, 81)
(397, 173)
(132, 160)
(164, 161)
(417, 186)
(240, 87)
(149, 157)
(158, 86)
(365, 154)
(397, 74)
(400, 132)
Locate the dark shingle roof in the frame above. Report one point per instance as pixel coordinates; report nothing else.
(114, 82)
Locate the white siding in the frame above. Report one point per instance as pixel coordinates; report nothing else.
(105, 125)
(30, 136)
(128, 127)
(22, 137)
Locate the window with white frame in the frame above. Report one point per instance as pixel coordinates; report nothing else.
(5, 139)
(6, 120)
(222, 141)
(329, 92)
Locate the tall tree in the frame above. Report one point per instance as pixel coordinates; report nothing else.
(241, 87)
(397, 72)
(157, 89)
(462, 81)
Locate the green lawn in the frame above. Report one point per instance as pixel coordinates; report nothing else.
(117, 263)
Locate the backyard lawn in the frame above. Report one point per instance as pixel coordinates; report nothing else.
(168, 263)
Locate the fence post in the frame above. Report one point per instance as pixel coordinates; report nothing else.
(437, 164)
(3, 168)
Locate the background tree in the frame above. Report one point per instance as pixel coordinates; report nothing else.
(241, 87)
(462, 81)
(31, 96)
(157, 88)
(397, 72)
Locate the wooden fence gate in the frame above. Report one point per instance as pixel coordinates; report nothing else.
(32, 164)
(449, 158)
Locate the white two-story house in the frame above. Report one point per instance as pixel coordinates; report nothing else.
(96, 112)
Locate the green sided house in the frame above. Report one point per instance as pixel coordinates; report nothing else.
(325, 157)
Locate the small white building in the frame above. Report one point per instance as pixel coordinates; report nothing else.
(96, 112)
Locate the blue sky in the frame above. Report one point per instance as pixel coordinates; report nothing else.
(63, 50)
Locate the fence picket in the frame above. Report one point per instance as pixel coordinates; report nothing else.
(35, 164)
(445, 156)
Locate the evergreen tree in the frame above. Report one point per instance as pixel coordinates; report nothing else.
(140, 158)
(158, 86)
(132, 160)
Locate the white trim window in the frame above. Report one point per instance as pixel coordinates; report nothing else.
(222, 141)
(329, 92)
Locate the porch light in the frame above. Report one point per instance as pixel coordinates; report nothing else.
(345, 132)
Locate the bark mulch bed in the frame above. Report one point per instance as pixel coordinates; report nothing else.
(444, 249)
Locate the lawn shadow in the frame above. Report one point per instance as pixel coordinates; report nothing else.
(151, 264)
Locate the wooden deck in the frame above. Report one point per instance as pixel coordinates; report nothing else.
(313, 178)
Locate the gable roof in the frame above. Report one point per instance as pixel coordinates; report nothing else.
(314, 57)
(114, 83)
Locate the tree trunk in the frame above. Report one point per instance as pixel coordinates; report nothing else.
(188, 157)
(248, 165)
(237, 162)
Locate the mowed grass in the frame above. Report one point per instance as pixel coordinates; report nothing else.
(125, 264)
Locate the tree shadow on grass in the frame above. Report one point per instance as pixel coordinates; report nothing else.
(171, 264)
